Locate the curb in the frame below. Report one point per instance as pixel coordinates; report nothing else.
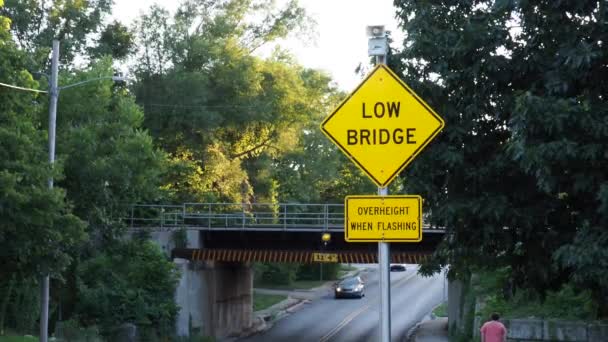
(265, 319)
(413, 332)
(297, 306)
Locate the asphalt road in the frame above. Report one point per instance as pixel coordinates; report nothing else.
(328, 319)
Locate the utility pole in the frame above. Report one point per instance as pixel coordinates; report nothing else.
(54, 93)
(378, 47)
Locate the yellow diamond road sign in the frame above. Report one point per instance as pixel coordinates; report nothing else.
(383, 218)
(382, 125)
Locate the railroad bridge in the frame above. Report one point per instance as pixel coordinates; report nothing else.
(269, 232)
(214, 245)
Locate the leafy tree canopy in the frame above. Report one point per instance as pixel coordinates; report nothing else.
(38, 232)
(116, 40)
(110, 160)
(518, 176)
(225, 115)
(35, 23)
(130, 282)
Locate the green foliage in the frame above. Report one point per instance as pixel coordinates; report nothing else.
(110, 161)
(568, 302)
(72, 331)
(258, 271)
(313, 271)
(180, 238)
(441, 310)
(129, 282)
(20, 306)
(292, 275)
(116, 40)
(275, 273)
(18, 339)
(37, 229)
(226, 116)
(35, 23)
(518, 175)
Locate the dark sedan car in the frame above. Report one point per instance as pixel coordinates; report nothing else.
(350, 287)
(398, 267)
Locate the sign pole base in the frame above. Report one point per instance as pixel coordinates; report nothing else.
(385, 284)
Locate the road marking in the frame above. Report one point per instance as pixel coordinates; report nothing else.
(353, 315)
(344, 322)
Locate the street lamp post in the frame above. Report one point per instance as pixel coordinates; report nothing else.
(54, 97)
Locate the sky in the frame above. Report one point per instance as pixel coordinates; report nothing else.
(340, 44)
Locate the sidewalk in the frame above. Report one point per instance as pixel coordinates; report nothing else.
(435, 330)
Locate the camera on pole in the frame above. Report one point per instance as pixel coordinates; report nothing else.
(377, 45)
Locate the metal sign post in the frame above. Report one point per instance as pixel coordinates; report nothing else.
(382, 126)
(384, 253)
(384, 248)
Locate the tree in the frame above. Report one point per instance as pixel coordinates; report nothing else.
(110, 160)
(115, 40)
(224, 115)
(130, 282)
(516, 175)
(38, 232)
(35, 23)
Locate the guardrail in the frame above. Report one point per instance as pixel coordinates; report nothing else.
(232, 216)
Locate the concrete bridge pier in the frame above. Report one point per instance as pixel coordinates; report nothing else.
(215, 298)
(229, 297)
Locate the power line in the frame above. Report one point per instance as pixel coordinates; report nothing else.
(198, 106)
(21, 88)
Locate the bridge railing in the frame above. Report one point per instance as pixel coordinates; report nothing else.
(232, 216)
(153, 215)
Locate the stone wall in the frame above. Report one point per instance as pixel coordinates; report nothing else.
(465, 320)
(524, 330)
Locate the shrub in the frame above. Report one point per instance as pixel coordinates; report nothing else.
(132, 282)
(279, 273)
(312, 271)
(72, 331)
(20, 305)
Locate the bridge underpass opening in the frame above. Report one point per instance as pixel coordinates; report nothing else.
(229, 237)
(299, 247)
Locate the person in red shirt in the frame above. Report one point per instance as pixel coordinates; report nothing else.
(493, 331)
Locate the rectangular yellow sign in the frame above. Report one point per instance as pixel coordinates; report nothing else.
(383, 218)
(324, 257)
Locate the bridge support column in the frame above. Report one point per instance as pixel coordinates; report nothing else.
(190, 296)
(229, 298)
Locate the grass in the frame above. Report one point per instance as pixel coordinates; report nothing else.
(263, 301)
(344, 269)
(441, 310)
(13, 338)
